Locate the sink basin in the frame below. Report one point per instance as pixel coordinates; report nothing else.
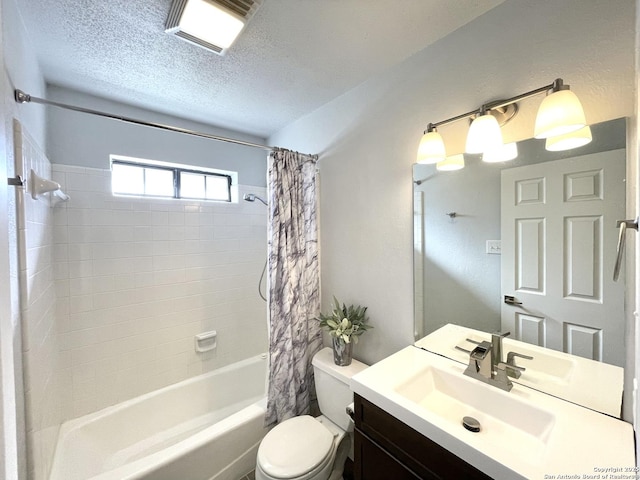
(505, 420)
(592, 384)
(523, 433)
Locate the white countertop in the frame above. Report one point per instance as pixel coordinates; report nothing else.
(564, 438)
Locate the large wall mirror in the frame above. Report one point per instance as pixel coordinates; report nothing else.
(527, 246)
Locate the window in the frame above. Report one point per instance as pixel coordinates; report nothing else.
(156, 179)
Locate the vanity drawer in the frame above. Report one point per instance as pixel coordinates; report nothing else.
(379, 435)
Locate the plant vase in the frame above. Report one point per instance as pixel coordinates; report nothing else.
(342, 352)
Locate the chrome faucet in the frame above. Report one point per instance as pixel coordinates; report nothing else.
(496, 348)
(486, 365)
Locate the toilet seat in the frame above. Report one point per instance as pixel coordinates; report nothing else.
(299, 448)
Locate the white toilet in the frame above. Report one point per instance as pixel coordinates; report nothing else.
(307, 448)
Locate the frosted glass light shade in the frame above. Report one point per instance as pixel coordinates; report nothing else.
(454, 162)
(211, 23)
(507, 152)
(484, 135)
(569, 140)
(431, 148)
(559, 113)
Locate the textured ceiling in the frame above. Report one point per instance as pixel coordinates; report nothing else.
(293, 57)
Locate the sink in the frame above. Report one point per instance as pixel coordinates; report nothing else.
(505, 420)
(586, 382)
(524, 433)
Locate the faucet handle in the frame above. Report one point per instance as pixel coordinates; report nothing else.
(512, 355)
(512, 369)
(463, 349)
(475, 342)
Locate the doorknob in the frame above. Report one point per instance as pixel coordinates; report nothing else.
(510, 300)
(622, 225)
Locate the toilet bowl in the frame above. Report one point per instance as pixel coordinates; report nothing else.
(307, 448)
(301, 448)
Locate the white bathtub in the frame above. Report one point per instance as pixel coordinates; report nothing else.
(207, 427)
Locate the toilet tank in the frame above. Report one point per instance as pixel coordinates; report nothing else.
(332, 386)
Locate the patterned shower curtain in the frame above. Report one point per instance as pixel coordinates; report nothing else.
(294, 282)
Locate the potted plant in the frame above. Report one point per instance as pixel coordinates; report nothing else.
(345, 325)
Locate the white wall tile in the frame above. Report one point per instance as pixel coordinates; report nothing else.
(42, 234)
(144, 276)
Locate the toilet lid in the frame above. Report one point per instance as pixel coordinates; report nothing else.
(294, 447)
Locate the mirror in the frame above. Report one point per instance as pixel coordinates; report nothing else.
(467, 259)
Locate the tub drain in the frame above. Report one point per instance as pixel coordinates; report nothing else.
(471, 424)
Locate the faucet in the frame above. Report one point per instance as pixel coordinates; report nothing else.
(496, 348)
(486, 365)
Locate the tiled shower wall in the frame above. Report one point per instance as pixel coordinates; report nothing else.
(34, 223)
(137, 278)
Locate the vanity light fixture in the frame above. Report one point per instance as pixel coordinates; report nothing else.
(569, 140)
(506, 152)
(484, 135)
(559, 114)
(211, 24)
(431, 148)
(451, 163)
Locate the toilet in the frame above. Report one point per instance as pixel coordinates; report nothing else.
(308, 448)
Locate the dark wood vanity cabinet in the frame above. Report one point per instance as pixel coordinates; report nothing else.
(387, 449)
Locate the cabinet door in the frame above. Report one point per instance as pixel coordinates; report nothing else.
(374, 463)
(415, 455)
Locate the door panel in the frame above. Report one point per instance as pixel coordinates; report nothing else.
(558, 249)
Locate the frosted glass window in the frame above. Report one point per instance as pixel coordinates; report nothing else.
(127, 179)
(158, 183)
(218, 188)
(168, 180)
(202, 185)
(192, 185)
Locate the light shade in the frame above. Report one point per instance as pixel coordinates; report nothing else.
(507, 152)
(205, 23)
(569, 140)
(559, 113)
(454, 162)
(484, 135)
(431, 148)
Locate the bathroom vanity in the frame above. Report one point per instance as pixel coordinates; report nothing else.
(409, 415)
(386, 448)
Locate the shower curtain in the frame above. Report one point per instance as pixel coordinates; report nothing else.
(294, 281)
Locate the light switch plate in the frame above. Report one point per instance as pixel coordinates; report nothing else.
(494, 247)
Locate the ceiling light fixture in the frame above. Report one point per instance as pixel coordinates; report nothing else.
(559, 114)
(211, 24)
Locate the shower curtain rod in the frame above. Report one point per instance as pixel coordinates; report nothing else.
(22, 97)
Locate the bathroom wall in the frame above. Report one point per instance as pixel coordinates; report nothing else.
(137, 278)
(87, 141)
(37, 298)
(367, 138)
(19, 67)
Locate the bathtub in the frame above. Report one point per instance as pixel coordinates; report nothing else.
(207, 427)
